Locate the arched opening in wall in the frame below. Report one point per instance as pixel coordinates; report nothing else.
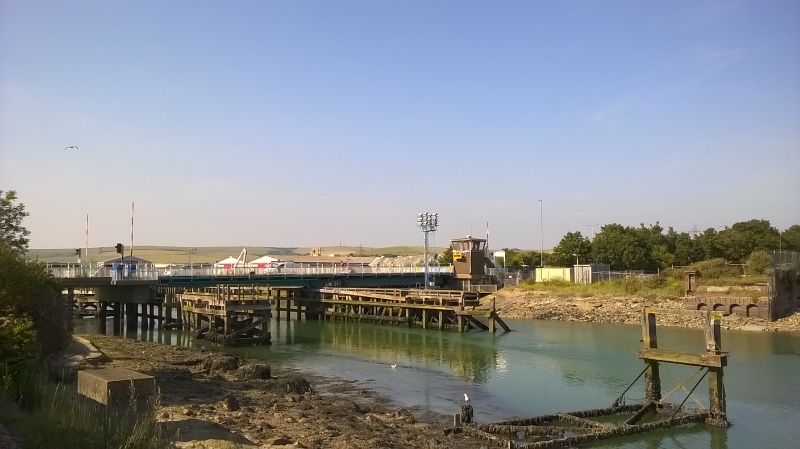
(702, 306)
(736, 309)
(752, 310)
(718, 307)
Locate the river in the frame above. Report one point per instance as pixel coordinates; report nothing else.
(547, 366)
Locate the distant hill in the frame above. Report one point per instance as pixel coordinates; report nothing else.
(208, 254)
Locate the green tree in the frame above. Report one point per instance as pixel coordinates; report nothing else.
(516, 258)
(686, 249)
(12, 233)
(620, 247)
(741, 239)
(572, 244)
(790, 238)
(446, 258)
(709, 244)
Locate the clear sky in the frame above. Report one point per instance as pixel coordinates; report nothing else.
(319, 122)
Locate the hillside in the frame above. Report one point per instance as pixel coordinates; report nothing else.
(179, 254)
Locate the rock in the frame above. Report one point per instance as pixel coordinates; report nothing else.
(254, 371)
(290, 420)
(279, 441)
(188, 412)
(230, 403)
(219, 362)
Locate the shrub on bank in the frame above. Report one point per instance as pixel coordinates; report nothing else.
(29, 293)
(45, 415)
(654, 287)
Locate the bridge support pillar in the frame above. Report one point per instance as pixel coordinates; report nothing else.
(151, 312)
(117, 320)
(101, 315)
(70, 305)
(131, 316)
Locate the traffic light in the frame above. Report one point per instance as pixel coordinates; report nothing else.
(78, 252)
(119, 248)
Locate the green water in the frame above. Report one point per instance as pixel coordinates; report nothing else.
(546, 366)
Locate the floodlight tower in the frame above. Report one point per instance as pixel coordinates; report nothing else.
(428, 222)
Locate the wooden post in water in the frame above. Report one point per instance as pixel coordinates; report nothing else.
(652, 377)
(716, 387)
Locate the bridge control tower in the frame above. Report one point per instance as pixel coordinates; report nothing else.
(469, 264)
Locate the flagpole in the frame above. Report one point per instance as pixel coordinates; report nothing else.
(132, 211)
(87, 244)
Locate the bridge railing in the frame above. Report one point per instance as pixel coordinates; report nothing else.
(152, 273)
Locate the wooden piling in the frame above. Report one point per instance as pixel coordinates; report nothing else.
(650, 341)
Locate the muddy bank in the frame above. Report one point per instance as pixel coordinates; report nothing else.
(218, 401)
(515, 303)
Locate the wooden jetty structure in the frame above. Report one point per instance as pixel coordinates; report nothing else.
(425, 308)
(227, 314)
(559, 430)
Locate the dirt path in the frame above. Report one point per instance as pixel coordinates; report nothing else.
(515, 303)
(211, 406)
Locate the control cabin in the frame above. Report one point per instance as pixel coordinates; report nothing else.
(469, 262)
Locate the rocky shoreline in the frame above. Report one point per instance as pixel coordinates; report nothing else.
(211, 402)
(516, 303)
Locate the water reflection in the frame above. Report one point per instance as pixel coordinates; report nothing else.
(464, 357)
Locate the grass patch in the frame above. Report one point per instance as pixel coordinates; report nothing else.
(44, 414)
(651, 288)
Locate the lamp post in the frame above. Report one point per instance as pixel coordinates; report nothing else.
(541, 232)
(191, 261)
(427, 222)
(576, 259)
(592, 226)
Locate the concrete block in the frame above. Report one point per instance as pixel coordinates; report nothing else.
(112, 386)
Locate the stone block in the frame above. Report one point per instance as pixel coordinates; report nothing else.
(112, 386)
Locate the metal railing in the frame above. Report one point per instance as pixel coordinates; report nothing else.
(148, 272)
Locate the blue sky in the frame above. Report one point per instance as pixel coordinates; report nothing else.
(314, 123)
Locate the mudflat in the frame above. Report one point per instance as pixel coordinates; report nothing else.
(213, 400)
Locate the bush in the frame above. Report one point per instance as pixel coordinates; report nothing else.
(46, 415)
(17, 339)
(759, 262)
(716, 268)
(27, 291)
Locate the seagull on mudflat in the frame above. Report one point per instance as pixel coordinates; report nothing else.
(71, 147)
(466, 398)
(393, 365)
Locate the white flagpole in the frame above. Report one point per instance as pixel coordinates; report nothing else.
(131, 231)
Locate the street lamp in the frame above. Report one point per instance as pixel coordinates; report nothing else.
(576, 259)
(592, 226)
(541, 231)
(427, 222)
(191, 261)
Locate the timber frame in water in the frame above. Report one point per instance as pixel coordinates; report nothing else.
(653, 413)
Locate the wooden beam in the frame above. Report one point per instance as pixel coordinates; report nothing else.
(682, 358)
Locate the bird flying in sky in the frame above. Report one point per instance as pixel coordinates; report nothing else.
(71, 147)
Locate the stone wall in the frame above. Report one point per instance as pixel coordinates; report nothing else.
(784, 293)
(781, 297)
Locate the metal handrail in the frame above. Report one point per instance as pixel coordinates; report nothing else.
(149, 272)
